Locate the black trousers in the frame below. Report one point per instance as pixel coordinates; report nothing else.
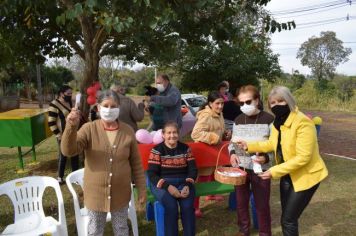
(62, 160)
(293, 205)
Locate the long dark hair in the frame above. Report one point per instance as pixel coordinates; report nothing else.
(63, 89)
(211, 98)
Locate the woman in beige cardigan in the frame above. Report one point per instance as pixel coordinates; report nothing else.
(210, 129)
(111, 157)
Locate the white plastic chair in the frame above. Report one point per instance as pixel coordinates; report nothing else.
(81, 214)
(26, 196)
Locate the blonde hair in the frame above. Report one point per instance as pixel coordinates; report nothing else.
(282, 93)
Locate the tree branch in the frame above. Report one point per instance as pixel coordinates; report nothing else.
(76, 47)
(99, 39)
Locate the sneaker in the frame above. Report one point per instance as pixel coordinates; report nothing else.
(61, 181)
(198, 213)
(214, 198)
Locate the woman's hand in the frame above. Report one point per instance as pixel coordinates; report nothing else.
(227, 135)
(234, 160)
(240, 143)
(260, 159)
(265, 175)
(142, 199)
(73, 117)
(174, 191)
(184, 192)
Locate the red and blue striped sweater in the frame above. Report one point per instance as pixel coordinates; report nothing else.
(165, 162)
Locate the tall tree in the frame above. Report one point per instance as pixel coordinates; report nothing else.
(141, 30)
(241, 58)
(323, 54)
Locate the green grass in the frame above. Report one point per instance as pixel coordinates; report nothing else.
(332, 210)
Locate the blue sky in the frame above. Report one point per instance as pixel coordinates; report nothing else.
(286, 43)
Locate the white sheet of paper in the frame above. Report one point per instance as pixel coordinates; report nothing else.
(250, 132)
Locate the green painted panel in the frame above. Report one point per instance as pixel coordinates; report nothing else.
(15, 133)
(23, 127)
(38, 128)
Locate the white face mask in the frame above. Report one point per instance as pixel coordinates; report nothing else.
(109, 114)
(160, 87)
(249, 110)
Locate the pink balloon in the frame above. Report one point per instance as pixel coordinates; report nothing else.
(158, 138)
(143, 136)
(152, 133)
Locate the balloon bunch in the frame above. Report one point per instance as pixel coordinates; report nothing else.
(316, 119)
(91, 91)
(143, 136)
(184, 110)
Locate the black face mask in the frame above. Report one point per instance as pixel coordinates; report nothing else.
(280, 110)
(68, 99)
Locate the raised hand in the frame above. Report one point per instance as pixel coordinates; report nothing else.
(73, 117)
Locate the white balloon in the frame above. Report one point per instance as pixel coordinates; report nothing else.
(143, 136)
(158, 138)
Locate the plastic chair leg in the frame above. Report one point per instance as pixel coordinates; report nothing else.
(159, 218)
(150, 215)
(133, 219)
(254, 212)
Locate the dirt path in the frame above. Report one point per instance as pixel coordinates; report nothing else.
(338, 133)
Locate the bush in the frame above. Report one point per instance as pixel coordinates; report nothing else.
(309, 97)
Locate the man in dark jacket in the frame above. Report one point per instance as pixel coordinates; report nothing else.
(170, 98)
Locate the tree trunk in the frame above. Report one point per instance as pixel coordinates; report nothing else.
(39, 86)
(27, 82)
(91, 71)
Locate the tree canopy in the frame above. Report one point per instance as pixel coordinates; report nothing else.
(148, 31)
(323, 54)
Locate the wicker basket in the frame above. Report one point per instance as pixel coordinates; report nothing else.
(229, 175)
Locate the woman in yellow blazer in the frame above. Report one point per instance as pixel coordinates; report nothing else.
(298, 163)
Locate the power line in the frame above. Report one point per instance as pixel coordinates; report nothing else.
(321, 21)
(324, 23)
(312, 7)
(301, 43)
(309, 13)
(306, 7)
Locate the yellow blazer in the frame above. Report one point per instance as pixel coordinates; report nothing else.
(300, 150)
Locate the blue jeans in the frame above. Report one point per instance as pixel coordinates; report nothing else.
(170, 205)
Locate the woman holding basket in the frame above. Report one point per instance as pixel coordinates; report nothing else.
(258, 121)
(299, 165)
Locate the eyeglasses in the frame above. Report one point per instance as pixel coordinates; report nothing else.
(248, 102)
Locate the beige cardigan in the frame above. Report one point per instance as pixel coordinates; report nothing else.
(209, 127)
(108, 168)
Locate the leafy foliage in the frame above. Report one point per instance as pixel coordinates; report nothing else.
(322, 55)
(148, 31)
